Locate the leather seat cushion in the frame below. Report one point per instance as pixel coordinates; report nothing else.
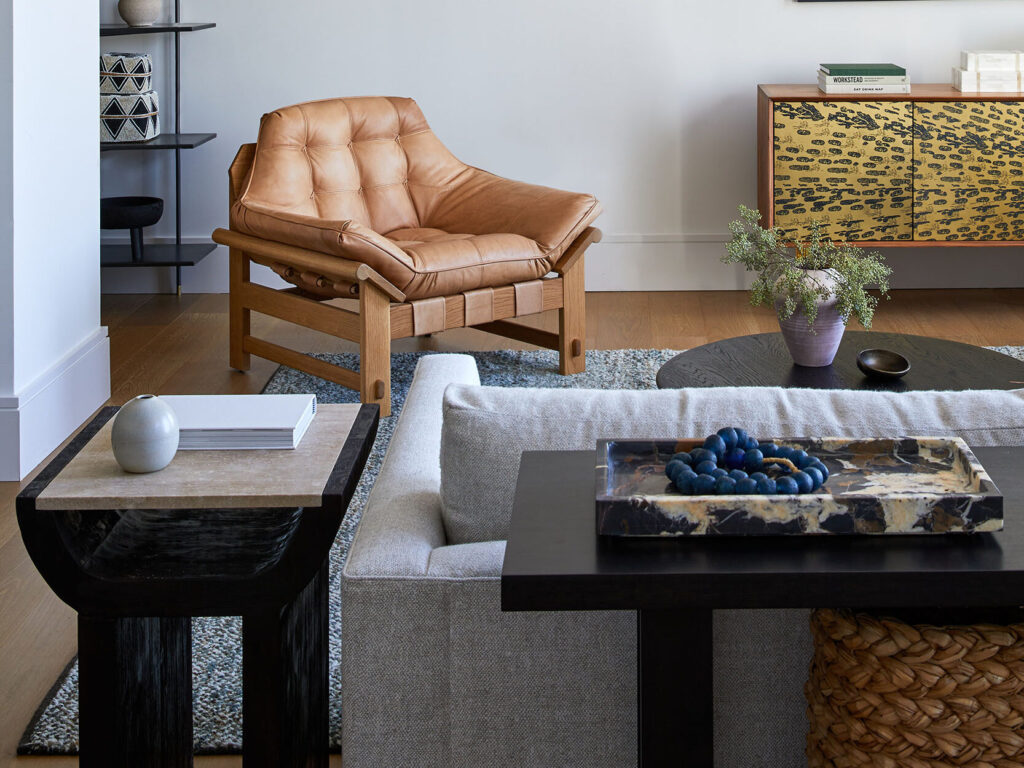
(447, 263)
(407, 238)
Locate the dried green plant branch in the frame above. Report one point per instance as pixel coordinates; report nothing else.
(783, 277)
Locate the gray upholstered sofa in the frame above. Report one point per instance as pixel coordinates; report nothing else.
(434, 674)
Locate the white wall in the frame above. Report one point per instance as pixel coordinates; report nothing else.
(648, 104)
(56, 178)
(6, 199)
(54, 355)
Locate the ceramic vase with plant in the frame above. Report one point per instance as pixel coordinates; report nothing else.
(140, 13)
(816, 286)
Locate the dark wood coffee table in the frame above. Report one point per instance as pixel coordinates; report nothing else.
(762, 360)
(217, 533)
(554, 561)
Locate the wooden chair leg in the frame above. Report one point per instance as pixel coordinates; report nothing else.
(572, 321)
(375, 347)
(238, 313)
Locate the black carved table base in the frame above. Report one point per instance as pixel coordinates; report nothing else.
(136, 577)
(135, 687)
(285, 681)
(134, 691)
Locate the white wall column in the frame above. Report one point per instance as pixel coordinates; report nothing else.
(54, 355)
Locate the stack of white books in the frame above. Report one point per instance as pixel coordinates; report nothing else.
(862, 78)
(993, 71)
(241, 422)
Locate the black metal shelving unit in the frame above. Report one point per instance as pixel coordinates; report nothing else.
(114, 30)
(176, 254)
(163, 141)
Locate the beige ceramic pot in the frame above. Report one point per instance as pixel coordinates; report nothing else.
(140, 13)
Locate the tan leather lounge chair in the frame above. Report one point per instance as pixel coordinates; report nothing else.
(356, 197)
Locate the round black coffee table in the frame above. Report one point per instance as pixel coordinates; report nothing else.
(762, 360)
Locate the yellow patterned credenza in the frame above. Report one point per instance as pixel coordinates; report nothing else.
(933, 167)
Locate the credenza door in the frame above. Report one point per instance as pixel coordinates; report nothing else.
(968, 170)
(846, 164)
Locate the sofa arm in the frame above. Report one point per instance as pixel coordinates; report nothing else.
(401, 524)
(476, 560)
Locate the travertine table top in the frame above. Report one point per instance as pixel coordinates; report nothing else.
(214, 479)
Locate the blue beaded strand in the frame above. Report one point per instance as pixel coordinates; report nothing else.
(732, 462)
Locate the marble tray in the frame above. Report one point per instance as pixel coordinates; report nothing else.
(905, 485)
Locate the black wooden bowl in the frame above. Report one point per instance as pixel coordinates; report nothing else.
(130, 212)
(882, 364)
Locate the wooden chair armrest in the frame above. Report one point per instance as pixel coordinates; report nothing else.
(305, 259)
(572, 254)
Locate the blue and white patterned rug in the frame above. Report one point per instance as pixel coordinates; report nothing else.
(217, 642)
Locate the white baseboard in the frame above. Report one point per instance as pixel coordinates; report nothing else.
(41, 416)
(661, 263)
(692, 262)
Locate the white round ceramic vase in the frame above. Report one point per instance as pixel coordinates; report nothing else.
(144, 436)
(140, 13)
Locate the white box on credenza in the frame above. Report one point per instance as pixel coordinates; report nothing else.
(991, 60)
(989, 81)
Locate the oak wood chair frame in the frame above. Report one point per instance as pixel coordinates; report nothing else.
(384, 313)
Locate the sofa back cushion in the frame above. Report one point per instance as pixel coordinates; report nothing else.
(486, 429)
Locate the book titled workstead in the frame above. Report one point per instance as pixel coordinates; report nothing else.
(241, 422)
(836, 85)
(864, 79)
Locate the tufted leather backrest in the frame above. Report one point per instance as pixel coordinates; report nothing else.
(372, 160)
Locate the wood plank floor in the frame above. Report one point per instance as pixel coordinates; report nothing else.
(168, 345)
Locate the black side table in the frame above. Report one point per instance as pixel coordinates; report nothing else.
(217, 533)
(555, 561)
(762, 360)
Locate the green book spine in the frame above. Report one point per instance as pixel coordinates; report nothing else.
(863, 69)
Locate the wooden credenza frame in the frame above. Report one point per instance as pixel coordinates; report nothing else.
(933, 167)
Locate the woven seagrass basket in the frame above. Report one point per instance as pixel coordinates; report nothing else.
(886, 693)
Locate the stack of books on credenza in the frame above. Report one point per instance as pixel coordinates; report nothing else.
(992, 71)
(241, 422)
(863, 78)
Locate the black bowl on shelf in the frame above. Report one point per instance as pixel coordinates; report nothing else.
(882, 364)
(131, 213)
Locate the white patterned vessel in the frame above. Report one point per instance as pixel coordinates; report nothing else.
(126, 73)
(129, 117)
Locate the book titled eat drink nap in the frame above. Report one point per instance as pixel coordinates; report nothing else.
(241, 422)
